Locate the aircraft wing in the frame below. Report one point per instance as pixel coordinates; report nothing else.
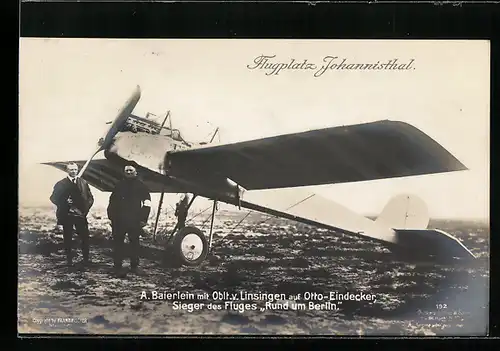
(103, 175)
(370, 151)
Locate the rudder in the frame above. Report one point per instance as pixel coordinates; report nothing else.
(405, 211)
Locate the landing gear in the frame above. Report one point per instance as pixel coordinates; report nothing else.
(188, 246)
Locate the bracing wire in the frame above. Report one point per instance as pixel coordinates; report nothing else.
(267, 219)
(205, 221)
(199, 213)
(288, 208)
(249, 212)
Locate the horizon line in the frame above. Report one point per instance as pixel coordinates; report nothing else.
(368, 215)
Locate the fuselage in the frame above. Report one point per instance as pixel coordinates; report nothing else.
(151, 151)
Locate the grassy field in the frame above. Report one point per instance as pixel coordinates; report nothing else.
(268, 256)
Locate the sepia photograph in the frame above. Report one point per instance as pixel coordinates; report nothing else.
(254, 187)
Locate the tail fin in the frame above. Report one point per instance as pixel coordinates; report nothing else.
(405, 211)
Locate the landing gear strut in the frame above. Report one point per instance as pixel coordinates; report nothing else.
(189, 245)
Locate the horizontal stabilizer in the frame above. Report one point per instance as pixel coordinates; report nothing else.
(433, 242)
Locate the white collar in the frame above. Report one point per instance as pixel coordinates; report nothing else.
(72, 179)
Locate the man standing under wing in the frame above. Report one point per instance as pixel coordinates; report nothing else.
(181, 211)
(73, 199)
(128, 209)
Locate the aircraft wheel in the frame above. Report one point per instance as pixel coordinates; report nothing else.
(190, 247)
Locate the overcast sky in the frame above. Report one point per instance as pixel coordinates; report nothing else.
(69, 88)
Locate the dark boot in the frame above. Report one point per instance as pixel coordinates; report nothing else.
(85, 254)
(137, 271)
(69, 258)
(86, 260)
(120, 272)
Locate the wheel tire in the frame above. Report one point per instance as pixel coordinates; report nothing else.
(177, 247)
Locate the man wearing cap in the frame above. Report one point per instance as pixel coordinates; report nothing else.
(129, 208)
(181, 211)
(73, 199)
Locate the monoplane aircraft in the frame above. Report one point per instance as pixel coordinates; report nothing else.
(228, 173)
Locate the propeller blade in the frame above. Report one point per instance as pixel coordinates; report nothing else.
(87, 163)
(116, 125)
(121, 118)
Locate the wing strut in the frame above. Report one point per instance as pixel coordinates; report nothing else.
(158, 214)
(212, 225)
(215, 133)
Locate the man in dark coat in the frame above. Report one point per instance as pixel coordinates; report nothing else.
(128, 209)
(73, 199)
(181, 212)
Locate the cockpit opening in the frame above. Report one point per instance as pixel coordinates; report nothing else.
(153, 124)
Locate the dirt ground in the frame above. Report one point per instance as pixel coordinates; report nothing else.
(277, 256)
